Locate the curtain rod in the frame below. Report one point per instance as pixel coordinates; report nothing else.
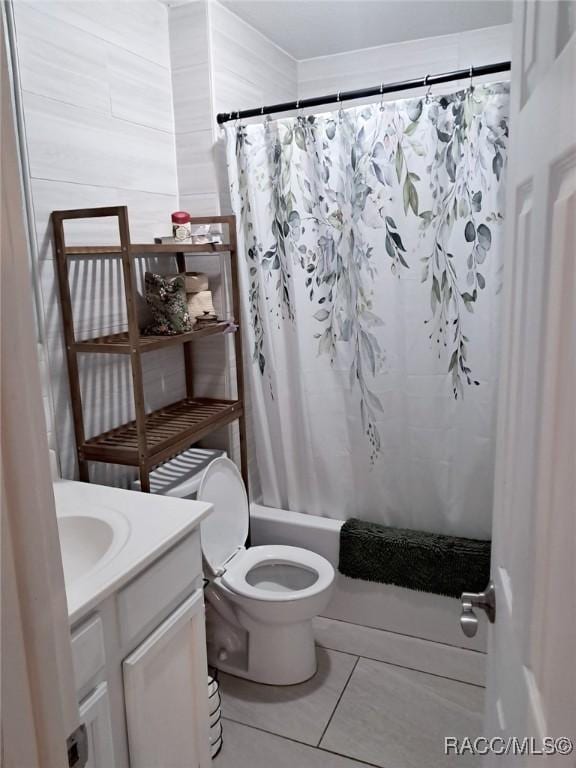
(377, 90)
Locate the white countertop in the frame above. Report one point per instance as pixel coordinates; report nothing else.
(145, 526)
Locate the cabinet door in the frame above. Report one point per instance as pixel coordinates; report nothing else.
(95, 714)
(166, 693)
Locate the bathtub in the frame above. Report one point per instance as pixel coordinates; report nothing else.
(379, 606)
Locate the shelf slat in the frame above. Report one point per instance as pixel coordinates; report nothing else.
(167, 249)
(168, 431)
(172, 248)
(119, 343)
(92, 250)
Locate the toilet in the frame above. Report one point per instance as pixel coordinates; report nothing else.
(260, 601)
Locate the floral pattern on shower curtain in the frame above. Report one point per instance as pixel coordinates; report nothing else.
(370, 267)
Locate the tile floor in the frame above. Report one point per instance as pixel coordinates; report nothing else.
(355, 712)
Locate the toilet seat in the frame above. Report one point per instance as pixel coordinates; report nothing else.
(247, 560)
(224, 532)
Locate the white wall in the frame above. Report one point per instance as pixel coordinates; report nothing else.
(247, 71)
(404, 61)
(97, 105)
(190, 56)
(219, 63)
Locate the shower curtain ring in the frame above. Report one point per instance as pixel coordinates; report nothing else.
(429, 91)
(340, 110)
(267, 119)
(471, 76)
(381, 97)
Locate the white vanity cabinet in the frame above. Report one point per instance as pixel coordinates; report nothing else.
(165, 691)
(89, 670)
(141, 670)
(95, 715)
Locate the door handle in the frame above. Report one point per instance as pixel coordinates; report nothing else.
(485, 600)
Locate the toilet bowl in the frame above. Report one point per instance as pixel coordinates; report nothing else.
(261, 600)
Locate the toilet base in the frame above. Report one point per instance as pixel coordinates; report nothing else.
(278, 654)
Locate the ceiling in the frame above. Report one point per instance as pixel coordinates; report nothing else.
(309, 28)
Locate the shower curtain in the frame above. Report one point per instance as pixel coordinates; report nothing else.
(370, 268)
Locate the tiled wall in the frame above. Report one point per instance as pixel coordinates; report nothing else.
(404, 61)
(219, 63)
(97, 104)
(191, 83)
(247, 70)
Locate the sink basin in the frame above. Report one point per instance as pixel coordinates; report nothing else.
(110, 535)
(88, 541)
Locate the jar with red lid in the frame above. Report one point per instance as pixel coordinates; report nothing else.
(181, 226)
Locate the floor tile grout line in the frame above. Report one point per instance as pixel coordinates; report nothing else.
(339, 699)
(300, 743)
(402, 666)
(270, 733)
(404, 634)
(348, 757)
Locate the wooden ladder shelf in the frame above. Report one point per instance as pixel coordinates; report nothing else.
(155, 437)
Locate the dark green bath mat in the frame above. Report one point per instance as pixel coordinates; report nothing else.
(427, 562)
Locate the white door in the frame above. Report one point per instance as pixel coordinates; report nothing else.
(532, 649)
(166, 693)
(39, 707)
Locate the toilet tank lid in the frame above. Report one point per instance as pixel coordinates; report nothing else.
(225, 530)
